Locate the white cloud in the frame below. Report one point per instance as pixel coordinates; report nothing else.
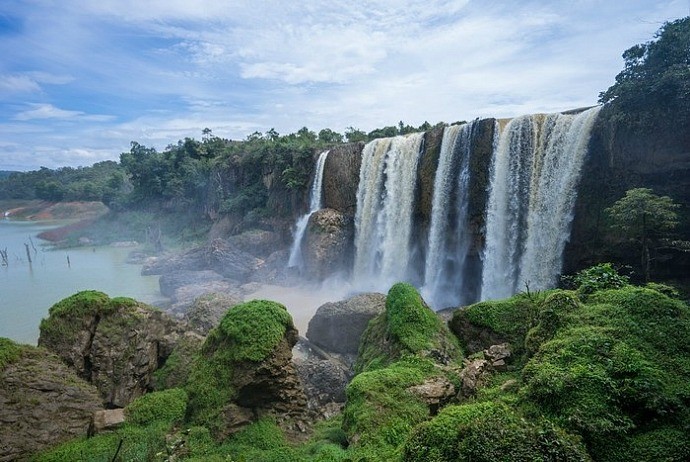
(48, 111)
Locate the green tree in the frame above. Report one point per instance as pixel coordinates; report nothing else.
(656, 79)
(645, 217)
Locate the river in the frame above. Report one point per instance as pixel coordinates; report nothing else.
(28, 290)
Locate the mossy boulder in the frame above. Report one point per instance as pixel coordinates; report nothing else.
(244, 370)
(407, 368)
(42, 401)
(116, 344)
(407, 327)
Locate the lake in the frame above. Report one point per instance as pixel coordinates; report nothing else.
(27, 290)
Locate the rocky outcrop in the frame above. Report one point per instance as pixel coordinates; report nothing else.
(257, 242)
(115, 344)
(42, 403)
(245, 371)
(170, 281)
(328, 243)
(337, 326)
(219, 256)
(341, 178)
(207, 310)
(274, 270)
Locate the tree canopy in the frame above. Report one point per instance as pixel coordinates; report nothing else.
(656, 79)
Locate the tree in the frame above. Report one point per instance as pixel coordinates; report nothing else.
(645, 217)
(656, 79)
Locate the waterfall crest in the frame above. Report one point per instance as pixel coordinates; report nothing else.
(534, 175)
(315, 203)
(385, 204)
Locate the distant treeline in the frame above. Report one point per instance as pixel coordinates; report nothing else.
(212, 175)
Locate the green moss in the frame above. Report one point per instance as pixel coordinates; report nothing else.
(178, 366)
(251, 330)
(9, 352)
(380, 411)
(489, 432)
(162, 406)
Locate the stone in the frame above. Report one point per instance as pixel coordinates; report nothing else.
(338, 326)
(107, 419)
(341, 178)
(208, 309)
(473, 376)
(114, 344)
(170, 281)
(435, 392)
(183, 297)
(42, 403)
(257, 242)
(328, 243)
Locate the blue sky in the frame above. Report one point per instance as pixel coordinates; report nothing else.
(80, 79)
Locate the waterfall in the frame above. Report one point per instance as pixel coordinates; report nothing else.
(315, 203)
(449, 239)
(385, 203)
(534, 175)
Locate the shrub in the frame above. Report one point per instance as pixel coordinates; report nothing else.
(9, 352)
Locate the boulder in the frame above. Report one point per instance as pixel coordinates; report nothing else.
(473, 376)
(257, 242)
(328, 243)
(42, 402)
(338, 326)
(274, 270)
(115, 344)
(170, 281)
(324, 378)
(245, 371)
(219, 255)
(434, 392)
(183, 297)
(208, 309)
(107, 419)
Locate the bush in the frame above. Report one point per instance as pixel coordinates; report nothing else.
(9, 352)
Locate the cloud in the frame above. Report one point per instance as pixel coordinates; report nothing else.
(48, 111)
(11, 84)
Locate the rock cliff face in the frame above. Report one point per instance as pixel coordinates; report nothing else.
(115, 344)
(621, 158)
(42, 403)
(341, 178)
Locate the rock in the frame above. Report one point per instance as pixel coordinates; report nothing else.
(498, 355)
(274, 270)
(175, 372)
(473, 376)
(42, 403)
(324, 377)
(208, 309)
(107, 419)
(218, 255)
(338, 326)
(115, 344)
(170, 281)
(435, 392)
(257, 242)
(328, 243)
(248, 360)
(475, 337)
(183, 297)
(341, 178)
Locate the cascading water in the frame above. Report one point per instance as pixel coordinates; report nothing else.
(315, 204)
(449, 241)
(385, 203)
(534, 175)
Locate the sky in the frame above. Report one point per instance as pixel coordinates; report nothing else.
(81, 79)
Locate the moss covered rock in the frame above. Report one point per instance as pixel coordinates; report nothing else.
(488, 432)
(42, 401)
(407, 327)
(117, 344)
(245, 370)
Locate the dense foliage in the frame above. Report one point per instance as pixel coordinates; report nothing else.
(656, 80)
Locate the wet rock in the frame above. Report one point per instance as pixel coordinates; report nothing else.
(42, 403)
(173, 280)
(183, 297)
(473, 376)
(257, 242)
(341, 178)
(435, 392)
(338, 326)
(328, 243)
